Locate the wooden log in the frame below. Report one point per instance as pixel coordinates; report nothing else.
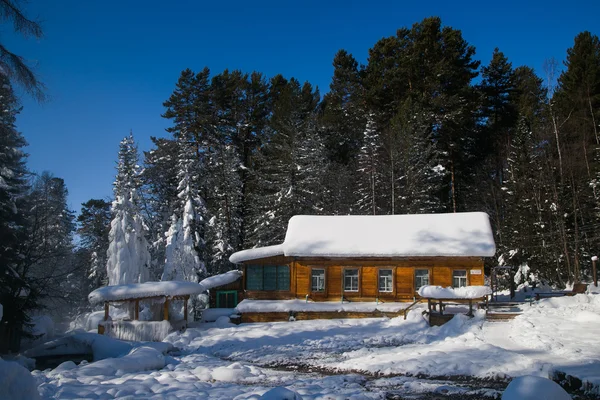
(106, 310)
(137, 310)
(185, 308)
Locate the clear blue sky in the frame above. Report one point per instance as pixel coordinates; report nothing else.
(109, 65)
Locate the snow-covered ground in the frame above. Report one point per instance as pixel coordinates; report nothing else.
(350, 359)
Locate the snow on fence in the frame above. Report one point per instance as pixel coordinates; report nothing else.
(153, 331)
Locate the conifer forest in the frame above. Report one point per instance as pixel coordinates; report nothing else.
(421, 127)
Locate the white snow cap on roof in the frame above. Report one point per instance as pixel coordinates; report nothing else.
(146, 289)
(158, 289)
(428, 235)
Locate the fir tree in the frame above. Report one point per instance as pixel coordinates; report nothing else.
(128, 259)
(94, 226)
(185, 244)
(370, 169)
(13, 187)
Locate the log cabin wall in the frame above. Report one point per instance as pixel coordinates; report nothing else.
(440, 271)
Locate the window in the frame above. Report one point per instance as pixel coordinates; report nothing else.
(226, 299)
(459, 278)
(351, 280)
(386, 278)
(268, 277)
(421, 278)
(318, 280)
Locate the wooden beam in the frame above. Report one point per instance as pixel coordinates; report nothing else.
(106, 310)
(185, 308)
(137, 310)
(166, 309)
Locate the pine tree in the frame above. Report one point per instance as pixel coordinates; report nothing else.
(128, 259)
(418, 177)
(50, 225)
(94, 226)
(13, 187)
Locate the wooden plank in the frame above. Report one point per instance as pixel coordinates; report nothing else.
(302, 280)
(369, 282)
(405, 281)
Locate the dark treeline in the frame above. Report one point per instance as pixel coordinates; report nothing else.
(413, 131)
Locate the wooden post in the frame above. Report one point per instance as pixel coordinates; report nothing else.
(441, 309)
(470, 314)
(594, 273)
(106, 310)
(166, 309)
(185, 310)
(137, 310)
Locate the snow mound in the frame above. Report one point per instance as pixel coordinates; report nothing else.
(66, 366)
(146, 289)
(534, 388)
(139, 359)
(91, 343)
(587, 316)
(16, 382)
(232, 373)
(212, 314)
(280, 393)
(465, 292)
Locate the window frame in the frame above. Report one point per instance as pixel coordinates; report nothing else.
(465, 277)
(392, 284)
(318, 292)
(262, 281)
(358, 275)
(428, 269)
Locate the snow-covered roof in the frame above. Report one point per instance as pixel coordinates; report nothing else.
(465, 292)
(429, 235)
(258, 252)
(146, 289)
(220, 280)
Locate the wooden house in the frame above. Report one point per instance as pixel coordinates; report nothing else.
(368, 258)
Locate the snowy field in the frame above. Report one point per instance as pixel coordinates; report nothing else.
(349, 359)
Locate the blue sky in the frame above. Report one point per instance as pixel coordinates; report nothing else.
(109, 65)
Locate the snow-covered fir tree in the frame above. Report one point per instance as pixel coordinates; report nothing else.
(184, 245)
(224, 184)
(418, 177)
(160, 196)
(13, 187)
(128, 258)
(291, 167)
(370, 170)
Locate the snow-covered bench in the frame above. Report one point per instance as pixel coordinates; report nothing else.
(441, 296)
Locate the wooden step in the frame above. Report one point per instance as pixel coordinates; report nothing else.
(496, 316)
